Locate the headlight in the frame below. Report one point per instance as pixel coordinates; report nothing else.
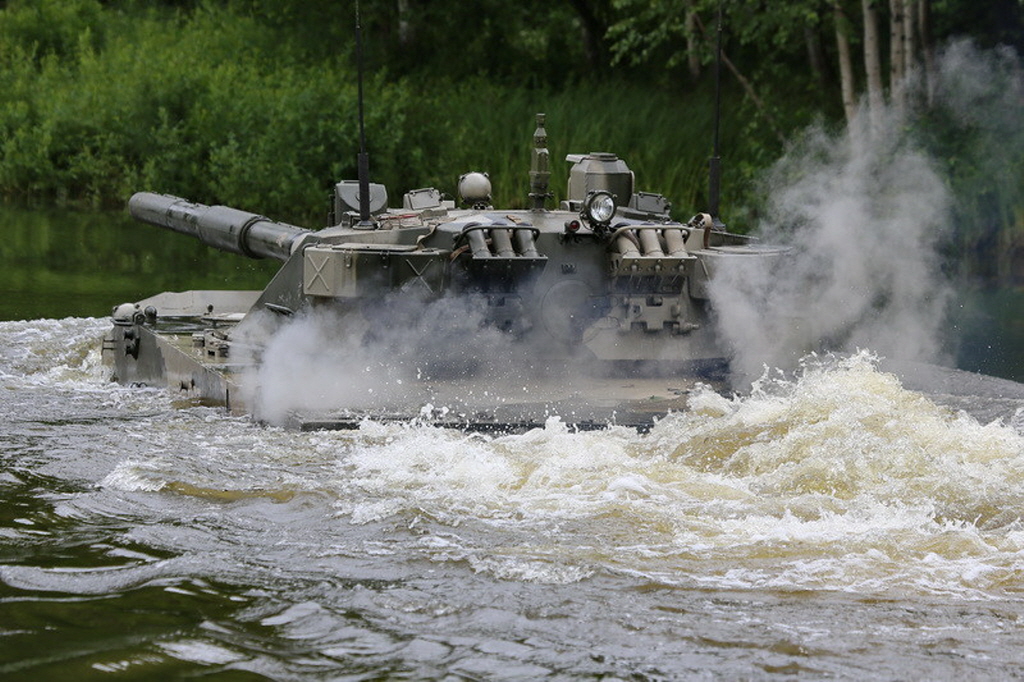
(599, 207)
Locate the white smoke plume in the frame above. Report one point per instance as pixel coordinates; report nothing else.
(385, 357)
(865, 212)
(328, 359)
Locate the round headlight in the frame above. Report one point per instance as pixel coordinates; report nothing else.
(599, 207)
(475, 187)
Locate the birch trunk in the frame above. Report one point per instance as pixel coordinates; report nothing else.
(873, 61)
(845, 63)
(896, 45)
(910, 31)
(404, 28)
(924, 21)
(895, 42)
(816, 55)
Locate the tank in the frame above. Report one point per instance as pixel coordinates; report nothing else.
(448, 311)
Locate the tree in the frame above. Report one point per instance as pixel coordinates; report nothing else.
(847, 85)
(776, 42)
(872, 57)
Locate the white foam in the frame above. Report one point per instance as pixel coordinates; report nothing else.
(837, 478)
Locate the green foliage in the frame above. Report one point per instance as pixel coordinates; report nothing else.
(206, 104)
(252, 103)
(43, 28)
(648, 32)
(194, 105)
(532, 41)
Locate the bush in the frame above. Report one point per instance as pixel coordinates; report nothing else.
(192, 105)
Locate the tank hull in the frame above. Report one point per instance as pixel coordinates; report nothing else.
(472, 319)
(176, 352)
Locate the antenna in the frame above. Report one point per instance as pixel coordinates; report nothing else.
(364, 158)
(715, 162)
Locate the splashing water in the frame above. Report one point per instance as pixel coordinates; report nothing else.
(840, 479)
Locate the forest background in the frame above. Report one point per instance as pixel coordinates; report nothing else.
(252, 103)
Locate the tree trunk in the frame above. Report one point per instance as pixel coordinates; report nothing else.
(924, 22)
(896, 45)
(845, 63)
(769, 119)
(404, 28)
(910, 29)
(692, 56)
(593, 32)
(873, 61)
(816, 55)
(895, 42)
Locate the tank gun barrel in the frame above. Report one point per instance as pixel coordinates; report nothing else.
(221, 227)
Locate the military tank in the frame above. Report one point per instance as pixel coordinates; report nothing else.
(445, 310)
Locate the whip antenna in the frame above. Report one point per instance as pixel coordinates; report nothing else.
(364, 158)
(715, 163)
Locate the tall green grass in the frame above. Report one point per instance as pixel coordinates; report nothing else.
(664, 136)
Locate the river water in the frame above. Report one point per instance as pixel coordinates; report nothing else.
(834, 525)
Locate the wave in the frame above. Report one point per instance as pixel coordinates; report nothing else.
(839, 478)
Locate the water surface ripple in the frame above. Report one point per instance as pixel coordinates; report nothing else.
(834, 525)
